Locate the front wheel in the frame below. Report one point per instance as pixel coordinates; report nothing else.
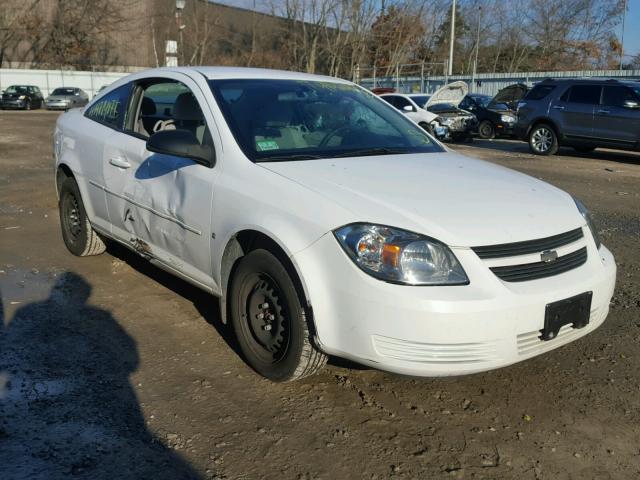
(27, 105)
(486, 130)
(269, 320)
(543, 140)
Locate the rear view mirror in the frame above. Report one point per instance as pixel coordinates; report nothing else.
(181, 143)
(631, 104)
(407, 108)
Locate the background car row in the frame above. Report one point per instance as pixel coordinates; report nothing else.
(29, 97)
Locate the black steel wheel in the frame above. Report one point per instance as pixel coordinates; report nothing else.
(270, 321)
(77, 233)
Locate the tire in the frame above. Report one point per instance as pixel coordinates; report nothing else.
(269, 320)
(27, 105)
(584, 149)
(427, 128)
(486, 130)
(78, 235)
(543, 140)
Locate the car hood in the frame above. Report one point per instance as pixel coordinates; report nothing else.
(453, 93)
(508, 96)
(461, 201)
(59, 97)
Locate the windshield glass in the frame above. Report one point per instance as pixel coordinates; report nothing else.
(278, 120)
(63, 91)
(16, 89)
(482, 100)
(421, 100)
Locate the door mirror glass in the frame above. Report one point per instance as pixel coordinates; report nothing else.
(181, 143)
(631, 104)
(407, 108)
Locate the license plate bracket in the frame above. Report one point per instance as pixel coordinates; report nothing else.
(575, 310)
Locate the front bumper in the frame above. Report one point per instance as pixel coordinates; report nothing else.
(56, 105)
(441, 331)
(17, 104)
(505, 129)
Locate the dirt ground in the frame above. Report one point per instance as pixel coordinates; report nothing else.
(110, 368)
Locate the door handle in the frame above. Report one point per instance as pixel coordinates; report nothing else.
(604, 112)
(119, 162)
(558, 107)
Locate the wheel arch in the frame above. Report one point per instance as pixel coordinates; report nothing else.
(547, 121)
(62, 172)
(245, 241)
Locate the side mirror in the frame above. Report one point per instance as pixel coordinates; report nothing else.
(181, 143)
(407, 108)
(631, 104)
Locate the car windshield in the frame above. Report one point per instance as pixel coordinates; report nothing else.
(16, 89)
(279, 120)
(64, 91)
(421, 100)
(482, 100)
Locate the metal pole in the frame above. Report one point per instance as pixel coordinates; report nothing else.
(624, 18)
(475, 63)
(422, 78)
(453, 35)
(397, 77)
(374, 76)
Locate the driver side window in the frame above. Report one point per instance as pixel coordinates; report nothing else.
(169, 105)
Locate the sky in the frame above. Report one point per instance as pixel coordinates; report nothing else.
(631, 34)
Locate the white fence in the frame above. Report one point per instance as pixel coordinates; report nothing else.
(488, 83)
(48, 80)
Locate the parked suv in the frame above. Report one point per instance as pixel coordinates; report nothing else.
(584, 114)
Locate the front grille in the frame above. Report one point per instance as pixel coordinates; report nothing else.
(533, 271)
(529, 246)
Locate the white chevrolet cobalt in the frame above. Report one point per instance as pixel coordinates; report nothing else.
(327, 223)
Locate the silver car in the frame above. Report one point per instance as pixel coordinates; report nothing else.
(64, 98)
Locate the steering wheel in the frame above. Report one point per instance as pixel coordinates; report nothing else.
(333, 133)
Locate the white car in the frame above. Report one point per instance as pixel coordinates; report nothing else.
(412, 105)
(328, 223)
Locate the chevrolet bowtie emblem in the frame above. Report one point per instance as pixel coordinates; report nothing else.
(549, 256)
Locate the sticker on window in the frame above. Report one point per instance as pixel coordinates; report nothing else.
(264, 145)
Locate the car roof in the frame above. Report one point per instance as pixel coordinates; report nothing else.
(588, 81)
(220, 73)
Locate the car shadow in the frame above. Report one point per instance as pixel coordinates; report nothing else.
(519, 147)
(207, 305)
(67, 406)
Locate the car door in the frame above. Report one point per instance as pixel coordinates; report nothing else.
(402, 102)
(574, 111)
(616, 120)
(105, 129)
(164, 206)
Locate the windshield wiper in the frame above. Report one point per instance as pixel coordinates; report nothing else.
(286, 158)
(371, 151)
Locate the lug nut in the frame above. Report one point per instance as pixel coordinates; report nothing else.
(267, 328)
(264, 305)
(260, 316)
(271, 317)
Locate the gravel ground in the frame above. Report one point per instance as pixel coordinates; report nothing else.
(110, 368)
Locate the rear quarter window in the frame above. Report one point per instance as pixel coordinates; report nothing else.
(539, 92)
(110, 109)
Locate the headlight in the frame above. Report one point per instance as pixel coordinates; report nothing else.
(508, 118)
(22, 97)
(445, 120)
(592, 226)
(399, 256)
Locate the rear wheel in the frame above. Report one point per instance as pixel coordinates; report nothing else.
(486, 130)
(543, 140)
(270, 321)
(78, 235)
